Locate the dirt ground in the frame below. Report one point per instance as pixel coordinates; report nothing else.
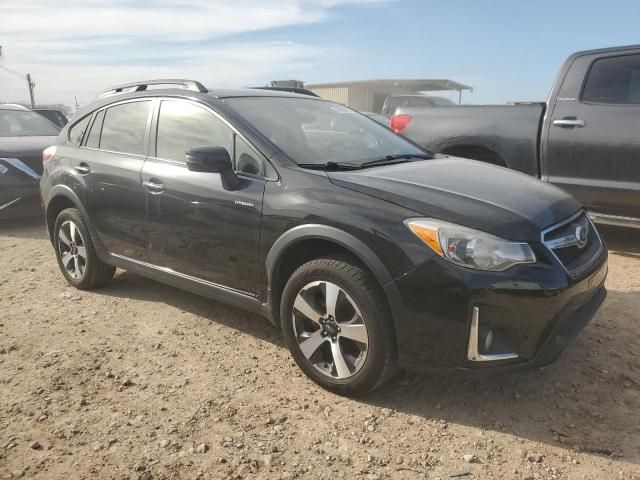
(142, 381)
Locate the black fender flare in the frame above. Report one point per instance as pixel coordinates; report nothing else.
(66, 192)
(324, 232)
(69, 194)
(354, 245)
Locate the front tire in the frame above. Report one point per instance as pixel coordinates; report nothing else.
(76, 253)
(337, 325)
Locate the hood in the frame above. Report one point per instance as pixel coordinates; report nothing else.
(27, 149)
(467, 192)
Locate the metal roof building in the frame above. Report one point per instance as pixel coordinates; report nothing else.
(369, 95)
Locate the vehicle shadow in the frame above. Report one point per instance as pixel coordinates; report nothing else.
(589, 399)
(586, 399)
(25, 227)
(621, 241)
(131, 286)
(597, 378)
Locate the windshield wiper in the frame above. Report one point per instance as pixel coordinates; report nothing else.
(330, 166)
(396, 158)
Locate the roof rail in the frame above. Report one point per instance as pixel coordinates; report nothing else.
(144, 85)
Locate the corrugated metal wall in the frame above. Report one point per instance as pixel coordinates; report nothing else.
(335, 94)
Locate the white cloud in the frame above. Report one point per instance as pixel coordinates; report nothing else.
(77, 48)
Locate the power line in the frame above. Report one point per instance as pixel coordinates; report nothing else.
(17, 74)
(26, 77)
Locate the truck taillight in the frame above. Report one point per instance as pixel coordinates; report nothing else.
(400, 122)
(47, 153)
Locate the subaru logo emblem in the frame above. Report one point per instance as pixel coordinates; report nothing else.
(581, 236)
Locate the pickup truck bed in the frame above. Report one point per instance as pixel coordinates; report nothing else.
(584, 139)
(505, 135)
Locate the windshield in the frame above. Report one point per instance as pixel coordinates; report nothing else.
(17, 123)
(318, 132)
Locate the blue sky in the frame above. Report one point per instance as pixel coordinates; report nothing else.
(507, 50)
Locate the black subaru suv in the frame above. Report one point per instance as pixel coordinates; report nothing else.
(367, 251)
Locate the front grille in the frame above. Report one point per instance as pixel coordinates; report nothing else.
(575, 243)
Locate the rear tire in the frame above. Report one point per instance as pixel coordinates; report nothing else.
(76, 253)
(337, 307)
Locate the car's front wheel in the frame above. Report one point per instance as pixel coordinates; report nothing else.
(337, 325)
(76, 254)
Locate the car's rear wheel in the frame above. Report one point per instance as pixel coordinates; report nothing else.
(76, 253)
(337, 325)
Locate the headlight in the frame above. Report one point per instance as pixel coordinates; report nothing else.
(468, 247)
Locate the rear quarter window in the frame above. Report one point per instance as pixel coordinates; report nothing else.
(76, 132)
(93, 138)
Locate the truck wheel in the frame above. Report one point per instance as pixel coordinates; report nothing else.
(337, 325)
(76, 254)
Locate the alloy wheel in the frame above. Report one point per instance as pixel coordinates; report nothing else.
(72, 250)
(330, 330)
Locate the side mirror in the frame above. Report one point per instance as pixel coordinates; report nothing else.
(208, 159)
(213, 160)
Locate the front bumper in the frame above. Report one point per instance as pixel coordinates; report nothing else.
(19, 201)
(19, 191)
(532, 311)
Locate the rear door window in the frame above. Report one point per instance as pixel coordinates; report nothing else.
(614, 80)
(183, 126)
(93, 139)
(124, 127)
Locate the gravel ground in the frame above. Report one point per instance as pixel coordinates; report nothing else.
(142, 381)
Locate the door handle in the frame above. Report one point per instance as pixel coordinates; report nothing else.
(82, 168)
(153, 187)
(569, 122)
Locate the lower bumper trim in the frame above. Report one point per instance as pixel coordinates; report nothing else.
(473, 353)
(567, 329)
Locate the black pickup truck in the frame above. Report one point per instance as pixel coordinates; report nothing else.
(585, 138)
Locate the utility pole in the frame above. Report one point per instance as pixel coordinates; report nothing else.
(27, 77)
(31, 85)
